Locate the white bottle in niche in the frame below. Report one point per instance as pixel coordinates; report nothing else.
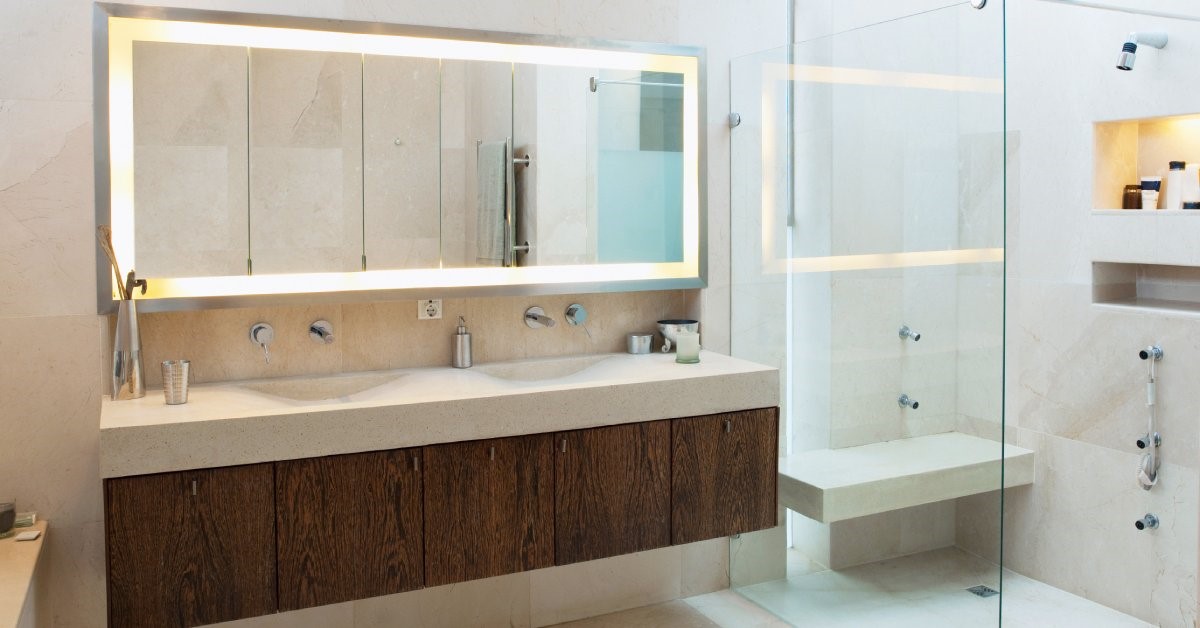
(1191, 183)
(1175, 186)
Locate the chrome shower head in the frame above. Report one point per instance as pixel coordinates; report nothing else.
(1129, 50)
(1128, 57)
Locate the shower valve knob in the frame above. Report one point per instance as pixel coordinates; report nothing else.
(1145, 441)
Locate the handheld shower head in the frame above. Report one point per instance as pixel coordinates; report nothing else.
(1129, 50)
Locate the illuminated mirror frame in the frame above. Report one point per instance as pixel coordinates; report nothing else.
(117, 26)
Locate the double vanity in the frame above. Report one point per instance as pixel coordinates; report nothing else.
(274, 495)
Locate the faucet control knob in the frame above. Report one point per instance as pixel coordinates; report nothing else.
(576, 314)
(321, 332)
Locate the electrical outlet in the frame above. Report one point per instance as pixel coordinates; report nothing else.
(429, 309)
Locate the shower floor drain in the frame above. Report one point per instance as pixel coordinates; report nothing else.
(983, 590)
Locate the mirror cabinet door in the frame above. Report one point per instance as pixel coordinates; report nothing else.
(552, 121)
(402, 158)
(637, 146)
(190, 168)
(477, 118)
(306, 174)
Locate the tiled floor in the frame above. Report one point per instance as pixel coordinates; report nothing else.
(723, 609)
(915, 591)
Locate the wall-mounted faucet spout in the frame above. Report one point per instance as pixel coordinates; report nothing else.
(535, 318)
(908, 402)
(1129, 50)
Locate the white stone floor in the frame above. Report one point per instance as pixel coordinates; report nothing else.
(921, 591)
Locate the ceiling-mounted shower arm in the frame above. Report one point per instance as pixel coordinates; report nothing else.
(1129, 49)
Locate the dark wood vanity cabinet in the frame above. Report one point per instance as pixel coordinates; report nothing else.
(612, 491)
(489, 508)
(190, 548)
(348, 527)
(199, 547)
(723, 474)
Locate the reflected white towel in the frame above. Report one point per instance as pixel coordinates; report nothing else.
(489, 208)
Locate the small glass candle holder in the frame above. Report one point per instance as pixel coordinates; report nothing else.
(687, 347)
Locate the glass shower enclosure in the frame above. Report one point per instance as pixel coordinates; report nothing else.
(868, 224)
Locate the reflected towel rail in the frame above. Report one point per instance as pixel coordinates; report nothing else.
(594, 83)
(511, 248)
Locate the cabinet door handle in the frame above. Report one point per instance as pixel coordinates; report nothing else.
(416, 463)
(491, 453)
(564, 445)
(193, 488)
(728, 425)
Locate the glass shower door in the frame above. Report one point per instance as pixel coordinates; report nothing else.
(868, 179)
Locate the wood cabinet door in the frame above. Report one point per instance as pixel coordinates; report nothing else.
(191, 547)
(348, 527)
(489, 508)
(723, 474)
(612, 491)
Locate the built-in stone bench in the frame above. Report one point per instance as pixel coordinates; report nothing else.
(835, 484)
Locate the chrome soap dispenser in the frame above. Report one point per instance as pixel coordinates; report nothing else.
(462, 346)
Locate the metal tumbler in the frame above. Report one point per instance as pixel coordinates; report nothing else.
(175, 374)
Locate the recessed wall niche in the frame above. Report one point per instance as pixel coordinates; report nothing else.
(1170, 289)
(1126, 150)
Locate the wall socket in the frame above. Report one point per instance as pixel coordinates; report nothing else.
(429, 309)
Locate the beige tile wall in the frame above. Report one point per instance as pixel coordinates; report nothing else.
(52, 339)
(387, 335)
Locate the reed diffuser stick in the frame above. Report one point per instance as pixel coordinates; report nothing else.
(104, 235)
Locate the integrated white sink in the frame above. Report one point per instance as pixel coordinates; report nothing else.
(543, 369)
(322, 387)
(246, 422)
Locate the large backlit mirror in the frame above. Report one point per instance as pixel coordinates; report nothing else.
(255, 158)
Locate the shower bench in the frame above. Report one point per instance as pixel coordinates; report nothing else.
(835, 484)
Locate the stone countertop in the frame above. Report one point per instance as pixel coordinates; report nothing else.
(18, 562)
(237, 423)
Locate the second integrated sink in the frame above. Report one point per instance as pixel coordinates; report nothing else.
(321, 387)
(542, 369)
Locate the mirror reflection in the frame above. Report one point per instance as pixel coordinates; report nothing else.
(190, 160)
(266, 161)
(306, 157)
